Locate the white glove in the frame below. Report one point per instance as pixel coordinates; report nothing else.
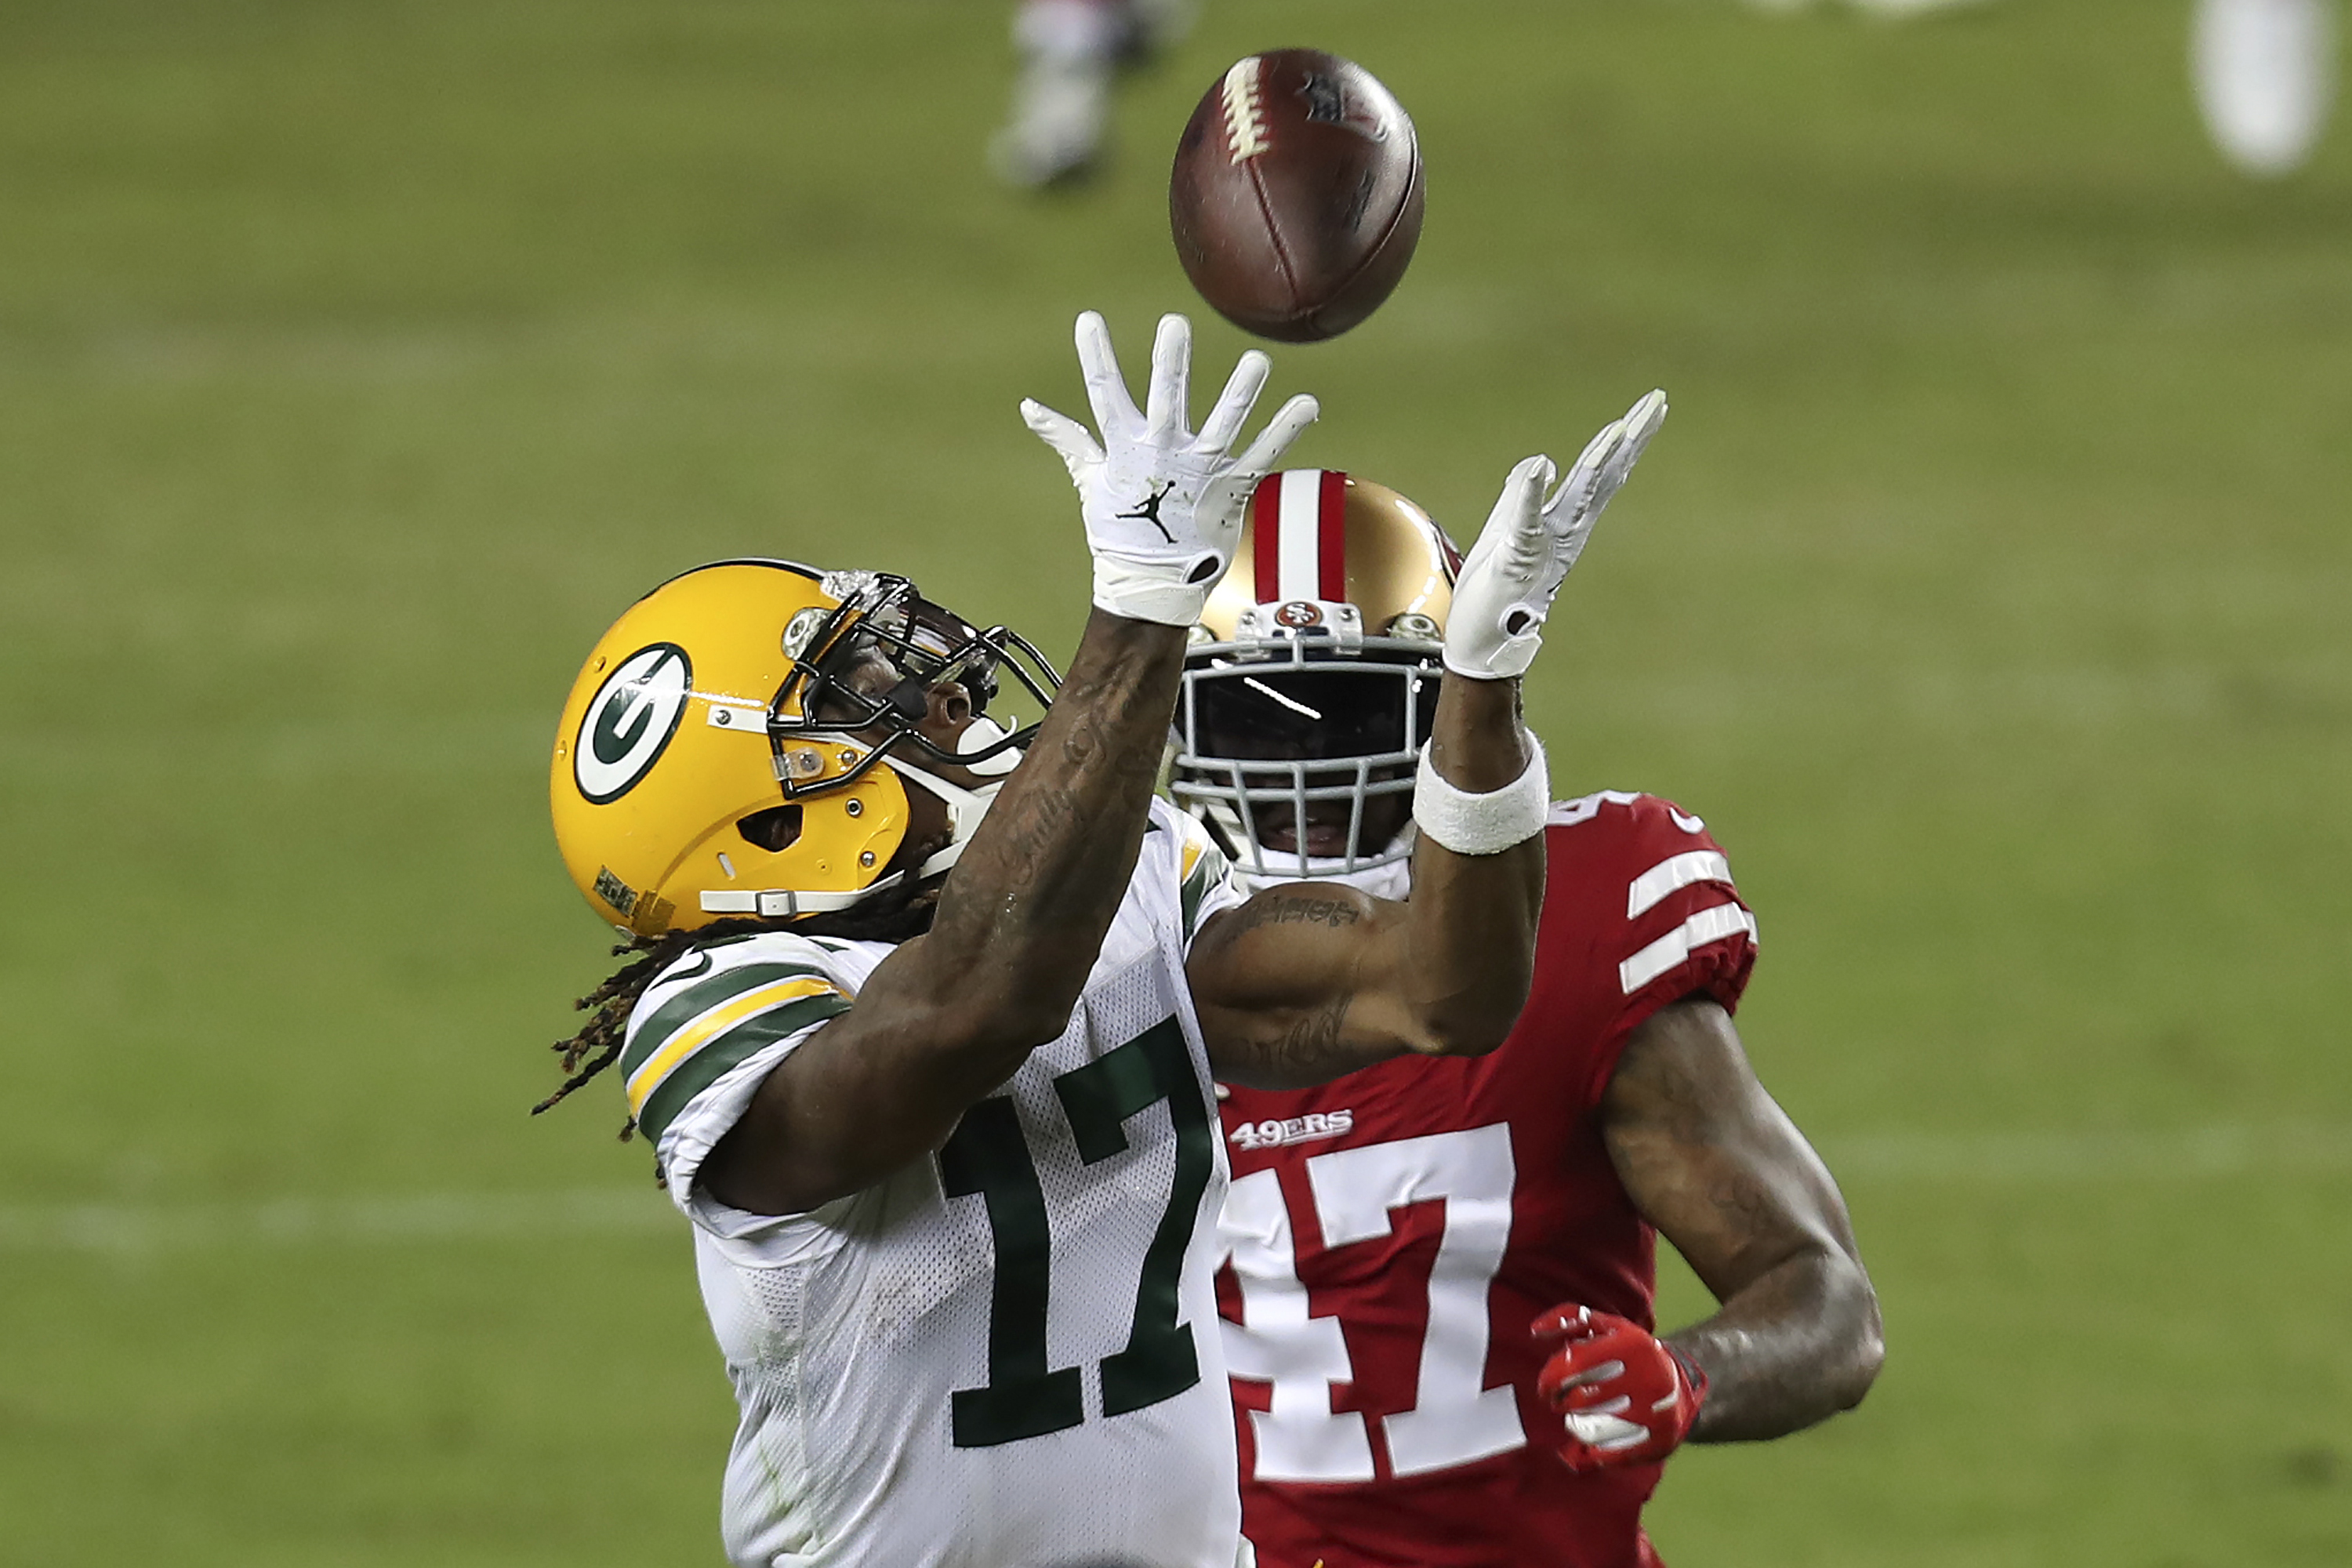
(1162, 506)
(1530, 543)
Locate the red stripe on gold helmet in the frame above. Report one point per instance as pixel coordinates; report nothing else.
(1322, 536)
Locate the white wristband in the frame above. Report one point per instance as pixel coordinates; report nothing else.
(1488, 823)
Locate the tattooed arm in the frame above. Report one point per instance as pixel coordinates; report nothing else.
(1312, 979)
(950, 1015)
(1724, 1175)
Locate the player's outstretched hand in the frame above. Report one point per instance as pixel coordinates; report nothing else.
(1532, 541)
(1625, 1397)
(1162, 505)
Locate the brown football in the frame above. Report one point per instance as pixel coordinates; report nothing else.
(1295, 197)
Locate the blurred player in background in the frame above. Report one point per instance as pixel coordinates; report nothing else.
(2264, 72)
(947, 1141)
(1440, 1298)
(1071, 53)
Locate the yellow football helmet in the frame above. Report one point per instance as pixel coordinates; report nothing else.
(713, 760)
(1312, 679)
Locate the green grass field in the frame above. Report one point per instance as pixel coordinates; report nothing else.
(357, 361)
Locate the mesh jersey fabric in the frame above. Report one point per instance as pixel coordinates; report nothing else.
(1006, 1353)
(1391, 1234)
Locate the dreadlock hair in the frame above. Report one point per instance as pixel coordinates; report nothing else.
(899, 915)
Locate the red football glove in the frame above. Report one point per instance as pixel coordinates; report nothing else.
(1626, 1396)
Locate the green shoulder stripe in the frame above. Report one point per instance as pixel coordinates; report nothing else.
(700, 998)
(1207, 871)
(731, 1051)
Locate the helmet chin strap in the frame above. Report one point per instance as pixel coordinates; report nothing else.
(965, 806)
(978, 736)
(783, 904)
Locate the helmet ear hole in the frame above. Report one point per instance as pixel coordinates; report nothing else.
(776, 829)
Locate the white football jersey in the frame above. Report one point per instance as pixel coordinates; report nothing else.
(1005, 1354)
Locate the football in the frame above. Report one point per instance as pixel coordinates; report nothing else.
(1295, 197)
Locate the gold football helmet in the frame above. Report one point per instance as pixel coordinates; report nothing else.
(1312, 680)
(717, 758)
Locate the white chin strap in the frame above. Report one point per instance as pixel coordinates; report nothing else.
(978, 736)
(965, 806)
(965, 809)
(783, 904)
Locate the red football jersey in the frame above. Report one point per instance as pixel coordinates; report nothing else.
(1391, 1234)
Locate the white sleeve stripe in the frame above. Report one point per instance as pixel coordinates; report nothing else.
(1712, 924)
(1675, 872)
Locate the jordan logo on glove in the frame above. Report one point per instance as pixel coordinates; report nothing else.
(1149, 511)
(1149, 468)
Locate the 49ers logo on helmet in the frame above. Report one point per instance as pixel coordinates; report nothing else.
(629, 722)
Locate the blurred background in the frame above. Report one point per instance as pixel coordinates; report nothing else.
(359, 362)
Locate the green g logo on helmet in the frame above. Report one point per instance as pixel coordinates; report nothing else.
(629, 722)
